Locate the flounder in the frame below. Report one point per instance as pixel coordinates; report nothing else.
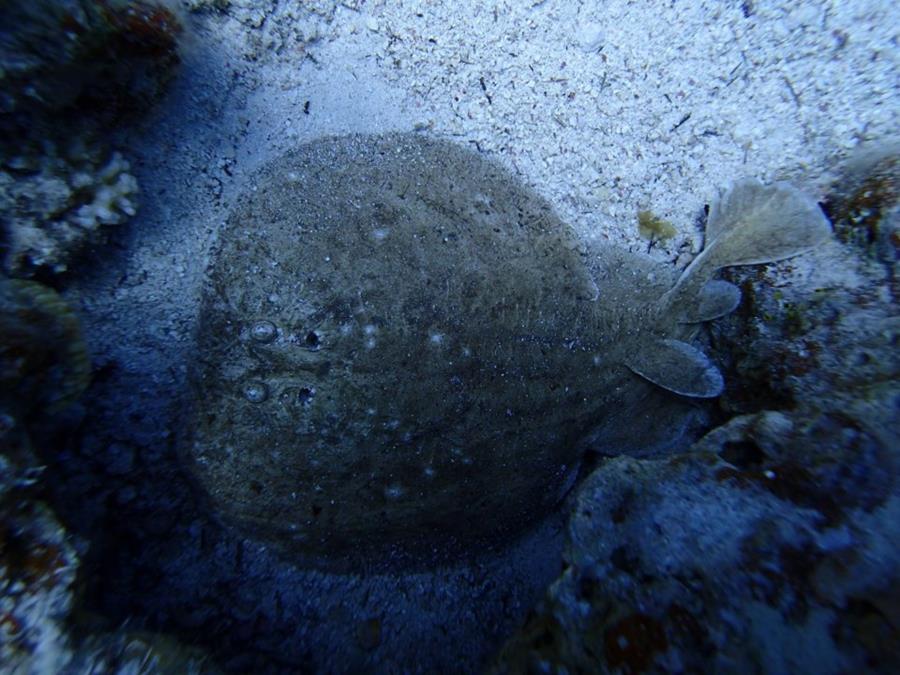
(401, 348)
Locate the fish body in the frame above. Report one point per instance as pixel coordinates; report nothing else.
(400, 349)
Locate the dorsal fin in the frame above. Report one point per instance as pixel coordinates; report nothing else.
(678, 367)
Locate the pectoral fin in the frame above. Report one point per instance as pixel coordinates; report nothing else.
(716, 298)
(678, 367)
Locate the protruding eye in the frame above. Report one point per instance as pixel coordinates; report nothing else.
(263, 331)
(256, 392)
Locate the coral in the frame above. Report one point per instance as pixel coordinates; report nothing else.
(71, 71)
(865, 206)
(104, 58)
(44, 367)
(56, 204)
(43, 361)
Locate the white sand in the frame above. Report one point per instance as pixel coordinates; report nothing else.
(589, 101)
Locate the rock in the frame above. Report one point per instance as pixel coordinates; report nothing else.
(64, 206)
(692, 564)
(44, 364)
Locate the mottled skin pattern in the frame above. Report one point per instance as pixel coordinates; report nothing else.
(400, 348)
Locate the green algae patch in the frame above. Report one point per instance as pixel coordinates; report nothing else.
(654, 228)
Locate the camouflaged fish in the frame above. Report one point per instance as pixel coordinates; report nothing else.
(402, 349)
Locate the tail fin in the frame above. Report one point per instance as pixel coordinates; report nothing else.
(751, 224)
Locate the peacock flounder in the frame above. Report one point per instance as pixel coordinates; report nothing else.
(400, 347)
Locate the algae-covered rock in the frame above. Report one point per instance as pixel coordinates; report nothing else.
(864, 201)
(57, 204)
(401, 347)
(783, 561)
(864, 205)
(43, 360)
(70, 71)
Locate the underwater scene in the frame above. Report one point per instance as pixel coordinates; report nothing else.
(474, 336)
